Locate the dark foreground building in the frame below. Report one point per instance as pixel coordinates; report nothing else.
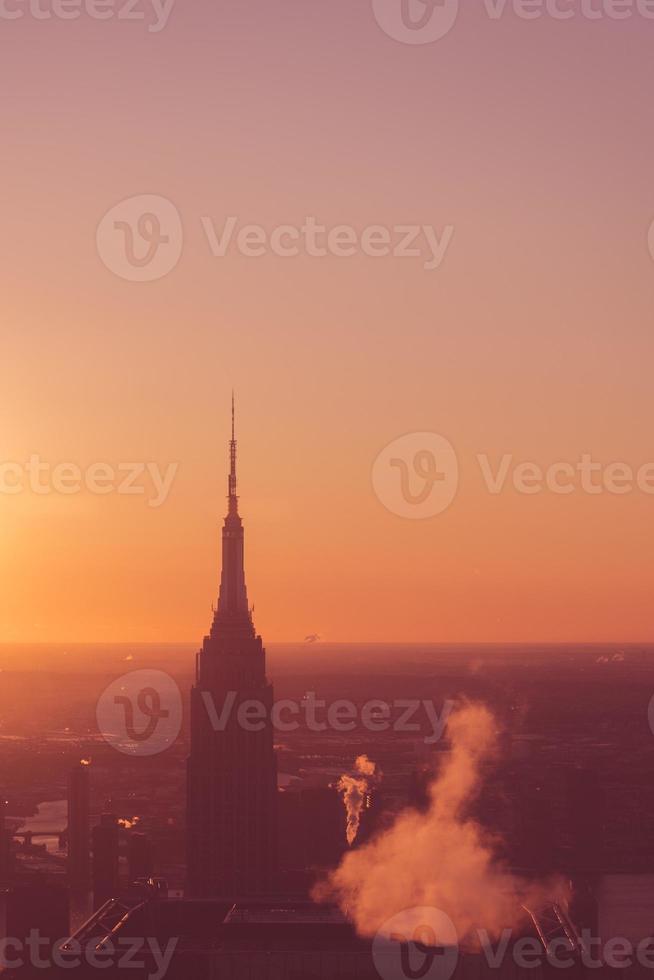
(232, 777)
(150, 939)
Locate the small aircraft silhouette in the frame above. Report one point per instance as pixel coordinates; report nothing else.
(312, 638)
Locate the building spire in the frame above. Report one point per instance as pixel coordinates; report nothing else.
(233, 499)
(233, 610)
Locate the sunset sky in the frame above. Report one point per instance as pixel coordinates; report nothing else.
(533, 337)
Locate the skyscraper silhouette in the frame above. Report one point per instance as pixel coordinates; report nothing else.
(232, 777)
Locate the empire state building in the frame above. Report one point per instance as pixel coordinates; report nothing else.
(232, 777)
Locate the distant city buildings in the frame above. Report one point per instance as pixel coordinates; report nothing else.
(79, 826)
(5, 845)
(105, 859)
(139, 857)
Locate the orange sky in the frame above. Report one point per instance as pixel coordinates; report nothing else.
(533, 338)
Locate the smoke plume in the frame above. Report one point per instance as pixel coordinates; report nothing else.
(441, 858)
(354, 790)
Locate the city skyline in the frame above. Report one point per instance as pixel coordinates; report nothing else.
(369, 692)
